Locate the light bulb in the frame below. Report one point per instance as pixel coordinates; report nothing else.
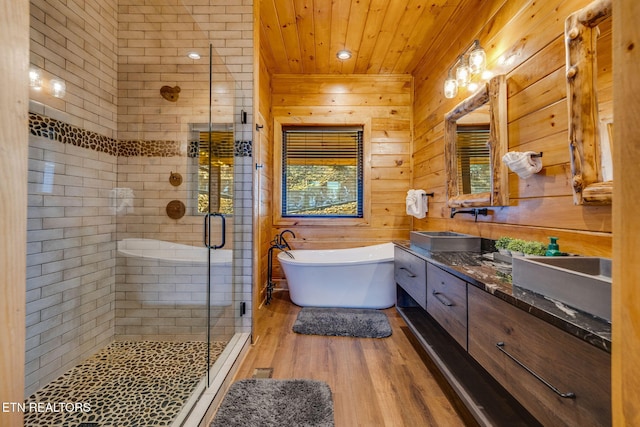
(477, 60)
(486, 75)
(193, 55)
(343, 55)
(463, 75)
(58, 88)
(35, 79)
(450, 88)
(473, 86)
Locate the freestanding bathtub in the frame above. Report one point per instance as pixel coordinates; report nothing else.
(358, 277)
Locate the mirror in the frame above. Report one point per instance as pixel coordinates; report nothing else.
(475, 141)
(590, 99)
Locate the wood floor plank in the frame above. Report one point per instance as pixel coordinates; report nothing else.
(375, 382)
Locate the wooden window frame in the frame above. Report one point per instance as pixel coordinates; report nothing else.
(278, 219)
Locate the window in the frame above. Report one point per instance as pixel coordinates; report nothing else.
(474, 159)
(322, 171)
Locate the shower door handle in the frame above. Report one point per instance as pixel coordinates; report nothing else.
(207, 230)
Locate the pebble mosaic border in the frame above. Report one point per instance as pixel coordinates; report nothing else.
(56, 130)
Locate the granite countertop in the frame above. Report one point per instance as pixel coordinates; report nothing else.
(481, 271)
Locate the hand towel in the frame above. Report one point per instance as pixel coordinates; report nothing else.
(411, 202)
(416, 203)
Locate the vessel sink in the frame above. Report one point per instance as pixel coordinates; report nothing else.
(579, 282)
(445, 241)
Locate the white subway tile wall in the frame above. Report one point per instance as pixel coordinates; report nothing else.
(71, 257)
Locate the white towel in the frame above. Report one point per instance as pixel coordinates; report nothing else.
(121, 200)
(523, 164)
(416, 203)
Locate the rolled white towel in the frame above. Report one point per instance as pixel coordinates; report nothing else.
(523, 164)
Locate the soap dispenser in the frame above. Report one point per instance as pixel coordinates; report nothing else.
(553, 249)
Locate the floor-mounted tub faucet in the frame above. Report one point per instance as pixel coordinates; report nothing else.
(282, 242)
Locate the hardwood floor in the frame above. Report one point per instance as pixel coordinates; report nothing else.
(375, 382)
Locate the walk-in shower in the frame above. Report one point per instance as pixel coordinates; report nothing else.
(139, 250)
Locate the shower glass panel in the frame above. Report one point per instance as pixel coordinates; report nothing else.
(182, 175)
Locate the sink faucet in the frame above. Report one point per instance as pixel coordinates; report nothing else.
(475, 212)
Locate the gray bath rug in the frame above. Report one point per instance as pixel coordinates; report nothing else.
(342, 322)
(282, 403)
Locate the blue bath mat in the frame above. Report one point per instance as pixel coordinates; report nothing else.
(342, 322)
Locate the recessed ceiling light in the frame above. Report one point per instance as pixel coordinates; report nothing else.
(343, 55)
(193, 55)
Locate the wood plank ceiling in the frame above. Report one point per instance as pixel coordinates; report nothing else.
(384, 36)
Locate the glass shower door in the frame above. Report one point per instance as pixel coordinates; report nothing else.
(215, 200)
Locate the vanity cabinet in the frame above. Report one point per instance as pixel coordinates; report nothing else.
(410, 272)
(558, 378)
(447, 302)
(512, 359)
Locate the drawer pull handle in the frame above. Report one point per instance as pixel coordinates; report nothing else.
(442, 299)
(409, 273)
(568, 395)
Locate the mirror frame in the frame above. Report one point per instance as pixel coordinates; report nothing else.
(580, 38)
(495, 93)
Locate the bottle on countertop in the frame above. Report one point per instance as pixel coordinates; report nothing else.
(553, 249)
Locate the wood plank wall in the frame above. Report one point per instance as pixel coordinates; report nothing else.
(263, 158)
(625, 378)
(14, 39)
(385, 102)
(530, 35)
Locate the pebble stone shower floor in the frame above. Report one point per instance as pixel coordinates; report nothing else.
(126, 384)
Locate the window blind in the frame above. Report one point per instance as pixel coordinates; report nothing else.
(474, 160)
(322, 171)
(322, 143)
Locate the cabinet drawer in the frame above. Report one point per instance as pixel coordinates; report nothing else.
(410, 273)
(536, 348)
(447, 302)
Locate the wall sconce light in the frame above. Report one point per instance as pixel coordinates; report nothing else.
(35, 79)
(469, 65)
(450, 86)
(473, 86)
(486, 75)
(477, 58)
(58, 88)
(463, 73)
